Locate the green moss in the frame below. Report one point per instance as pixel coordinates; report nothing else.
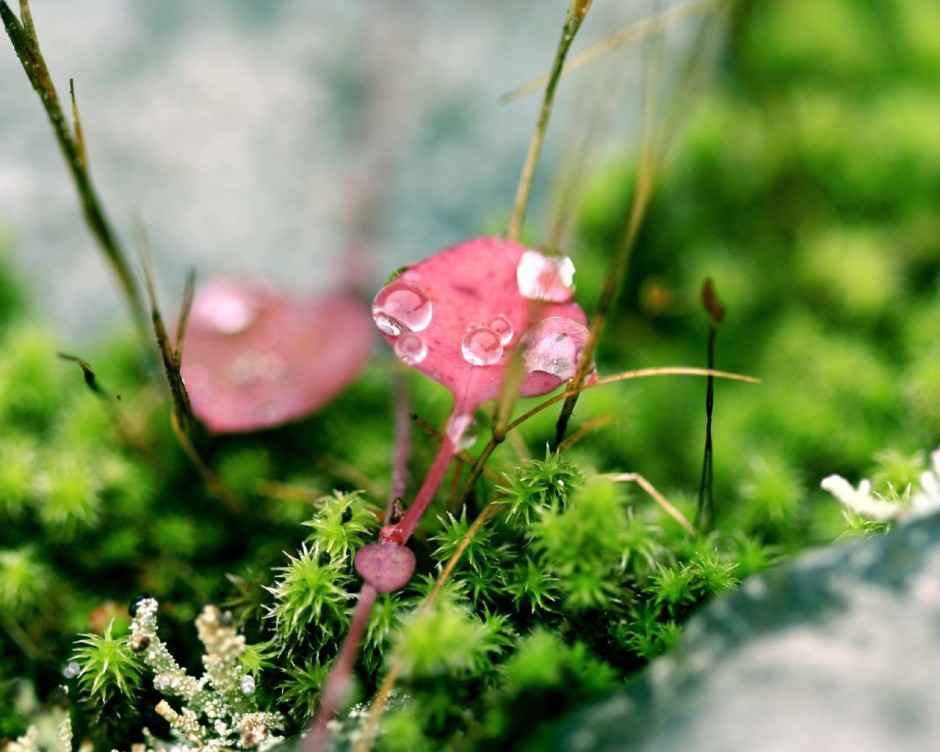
(25, 582)
(805, 188)
(445, 639)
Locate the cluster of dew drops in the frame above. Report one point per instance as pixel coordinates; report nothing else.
(403, 310)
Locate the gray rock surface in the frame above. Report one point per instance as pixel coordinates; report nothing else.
(269, 137)
(838, 652)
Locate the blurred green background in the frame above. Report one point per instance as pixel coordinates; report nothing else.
(806, 187)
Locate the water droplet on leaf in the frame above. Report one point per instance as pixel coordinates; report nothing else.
(401, 307)
(411, 349)
(225, 308)
(461, 430)
(480, 314)
(482, 346)
(503, 327)
(553, 345)
(548, 278)
(385, 566)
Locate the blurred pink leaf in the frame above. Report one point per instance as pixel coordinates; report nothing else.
(254, 358)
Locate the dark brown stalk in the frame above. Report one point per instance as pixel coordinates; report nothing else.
(705, 514)
(185, 424)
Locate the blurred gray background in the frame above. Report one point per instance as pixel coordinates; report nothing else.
(270, 138)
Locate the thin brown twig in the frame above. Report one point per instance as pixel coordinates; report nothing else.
(643, 191)
(185, 423)
(82, 152)
(213, 480)
(601, 421)
(577, 11)
(186, 307)
(641, 373)
(653, 154)
(650, 489)
(178, 393)
(634, 33)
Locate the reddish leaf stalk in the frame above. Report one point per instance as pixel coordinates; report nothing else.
(433, 480)
(402, 444)
(336, 688)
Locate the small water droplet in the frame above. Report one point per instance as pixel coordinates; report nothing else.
(462, 430)
(482, 347)
(503, 327)
(549, 278)
(553, 345)
(401, 307)
(411, 349)
(224, 308)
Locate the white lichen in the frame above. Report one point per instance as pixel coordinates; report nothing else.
(216, 711)
(863, 502)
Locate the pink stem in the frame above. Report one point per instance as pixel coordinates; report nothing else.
(431, 483)
(336, 688)
(337, 684)
(402, 445)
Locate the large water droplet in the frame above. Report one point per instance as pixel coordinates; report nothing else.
(225, 308)
(553, 345)
(461, 430)
(503, 327)
(411, 349)
(482, 346)
(401, 307)
(549, 278)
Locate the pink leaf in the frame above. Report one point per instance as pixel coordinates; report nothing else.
(458, 315)
(255, 358)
